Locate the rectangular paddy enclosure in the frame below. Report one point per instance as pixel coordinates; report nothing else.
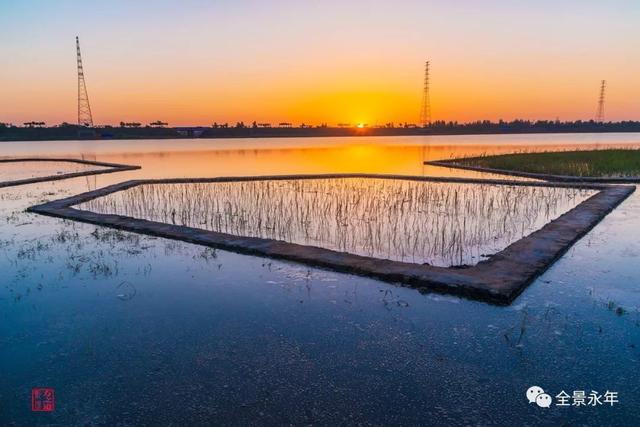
(31, 170)
(481, 238)
(586, 166)
(436, 223)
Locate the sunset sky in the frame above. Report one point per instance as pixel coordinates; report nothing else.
(197, 62)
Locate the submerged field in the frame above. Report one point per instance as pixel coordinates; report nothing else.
(442, 224)
(14, 171)
(134, 329)
(608, 163)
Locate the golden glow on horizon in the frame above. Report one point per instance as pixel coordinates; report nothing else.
(318, 62)
(201, 102)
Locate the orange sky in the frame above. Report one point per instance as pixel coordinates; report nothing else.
(319, 61)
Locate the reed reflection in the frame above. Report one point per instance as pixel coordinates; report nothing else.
(443, 224)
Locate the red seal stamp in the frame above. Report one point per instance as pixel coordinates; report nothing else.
(43, 399)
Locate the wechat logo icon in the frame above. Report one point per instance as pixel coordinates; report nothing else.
(537, 395)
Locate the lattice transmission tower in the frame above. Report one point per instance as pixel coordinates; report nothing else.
(600, 111)
(425, 112)
(84, 109)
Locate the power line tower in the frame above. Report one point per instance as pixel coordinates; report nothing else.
(600, 111)
(84, 109)
(425, 112)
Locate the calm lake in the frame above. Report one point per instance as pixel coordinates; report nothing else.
(132, 329)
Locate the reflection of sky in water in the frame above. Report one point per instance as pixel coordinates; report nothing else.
(441, 224)
(221, 336)
(13, 171)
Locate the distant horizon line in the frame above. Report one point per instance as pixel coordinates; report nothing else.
(303, 125)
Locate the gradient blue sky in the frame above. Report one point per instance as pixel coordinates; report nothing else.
(196, 62)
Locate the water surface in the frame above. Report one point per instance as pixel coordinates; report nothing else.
(441, 224)
(14, 171)
(138, 330)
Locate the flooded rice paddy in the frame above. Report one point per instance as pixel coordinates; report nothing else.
(14, 171)
(441, 224)
(132, 329)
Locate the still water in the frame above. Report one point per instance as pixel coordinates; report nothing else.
(13, 171)
(435, 223)
(138, 330)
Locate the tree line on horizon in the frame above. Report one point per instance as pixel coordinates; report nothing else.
(480, 125)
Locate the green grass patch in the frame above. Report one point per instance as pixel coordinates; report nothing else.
(596, 163)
